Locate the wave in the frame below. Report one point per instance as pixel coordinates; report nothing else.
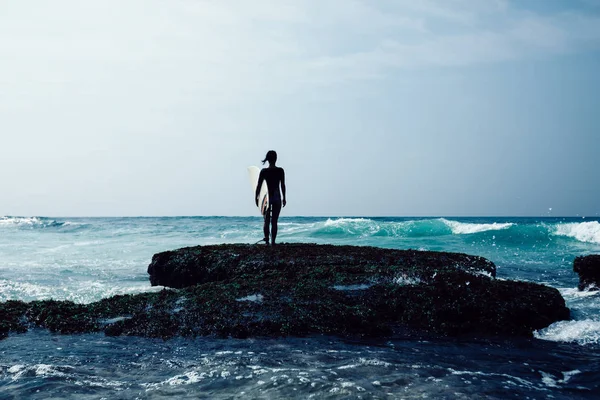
(19, 221)
(588, 232)
(365, 227)
(517, 233)
(34, 222)
(508, 231)
(462, 228)
(411, 228)
(582, 332)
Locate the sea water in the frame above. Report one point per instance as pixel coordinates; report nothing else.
(87, 259)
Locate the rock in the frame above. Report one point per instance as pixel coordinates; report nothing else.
(196, 265)
(242, 291)
(588, 268)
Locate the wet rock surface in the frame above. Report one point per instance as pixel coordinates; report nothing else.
(201, 264)
(588, 268)
(243, 290)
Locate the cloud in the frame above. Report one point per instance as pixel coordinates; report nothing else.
(462, 33)
(275, 45)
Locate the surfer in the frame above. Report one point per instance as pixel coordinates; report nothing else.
(274, 176)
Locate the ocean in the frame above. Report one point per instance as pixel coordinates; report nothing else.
(87, 259)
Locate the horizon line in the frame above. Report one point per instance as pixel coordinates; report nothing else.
(300, 216)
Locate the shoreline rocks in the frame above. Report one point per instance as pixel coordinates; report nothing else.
(239, 290)
(588, 268)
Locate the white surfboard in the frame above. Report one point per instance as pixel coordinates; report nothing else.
(263, 197)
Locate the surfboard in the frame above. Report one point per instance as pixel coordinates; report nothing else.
(263, 197)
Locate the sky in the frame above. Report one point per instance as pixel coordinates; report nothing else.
(375, 107)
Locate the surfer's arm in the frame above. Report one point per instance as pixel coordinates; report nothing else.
(283, 186)
(261, 178)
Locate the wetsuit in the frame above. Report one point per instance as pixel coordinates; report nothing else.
(274, 176)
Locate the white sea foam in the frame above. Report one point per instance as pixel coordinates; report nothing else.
(33, 222)
(516, 379)
(373, 362)
(69, 223)
(255, 298)
(79, 292)
(19, 290)
(46, 370)
(361, 226)
(19, 221)
(464, 228)
(588, 232)
(186, 378)
(294, 228)
(345, 221)
(100, 382)
(581, 332)
(576, 293)
(554, 382)
(405, 280)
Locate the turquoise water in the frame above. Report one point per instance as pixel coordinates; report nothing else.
(86, 259)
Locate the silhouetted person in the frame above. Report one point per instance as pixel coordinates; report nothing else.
(274, 176)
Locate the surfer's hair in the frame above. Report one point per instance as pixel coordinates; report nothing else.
(271, 157)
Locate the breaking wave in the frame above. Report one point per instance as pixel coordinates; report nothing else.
(582, 332)
(588, 232)
(511, 232)
(459, 228)
(365, 227)
(33, 222)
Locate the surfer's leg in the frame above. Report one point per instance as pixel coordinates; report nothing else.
(276, 207)
(266, 226)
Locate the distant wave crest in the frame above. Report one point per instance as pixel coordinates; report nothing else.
(31, 222)
(461, 228)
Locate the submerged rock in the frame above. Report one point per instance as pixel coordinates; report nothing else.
(588, 268)
(300, 289)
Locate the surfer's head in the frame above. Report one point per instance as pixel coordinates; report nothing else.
(271, 157)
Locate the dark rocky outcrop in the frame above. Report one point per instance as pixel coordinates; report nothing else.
(201, 264)
(302, 289)
(588, 268)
